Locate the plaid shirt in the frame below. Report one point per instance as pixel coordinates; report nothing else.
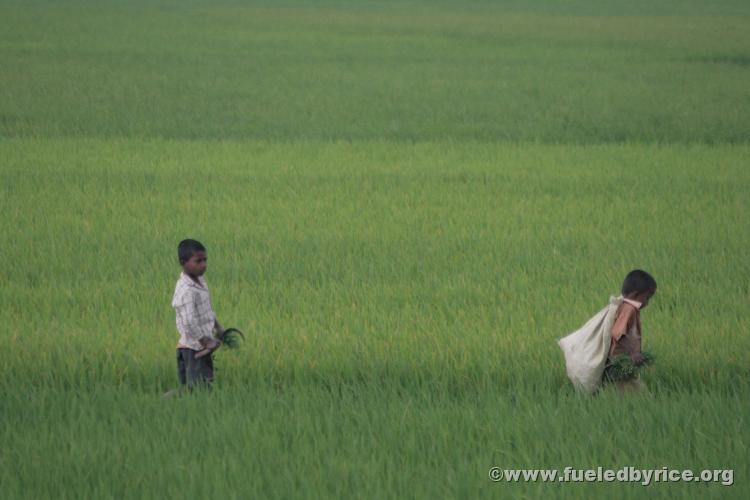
(195, 316)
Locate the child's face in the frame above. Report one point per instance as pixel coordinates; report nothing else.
(196, 265)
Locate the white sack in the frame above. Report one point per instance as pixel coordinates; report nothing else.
(587, 348)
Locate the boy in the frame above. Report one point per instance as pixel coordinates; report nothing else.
(196, 320)
(637, 289)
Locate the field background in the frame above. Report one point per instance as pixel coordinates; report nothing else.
(405, 204)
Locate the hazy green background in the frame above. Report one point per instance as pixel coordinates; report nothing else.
(583, 72)
(405, 205)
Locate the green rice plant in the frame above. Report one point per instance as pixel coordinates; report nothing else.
(409, 201)
(623, 368)
(579, 71)
(230, 338)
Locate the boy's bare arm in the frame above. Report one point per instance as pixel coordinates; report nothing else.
(624, 316)
(218, 329)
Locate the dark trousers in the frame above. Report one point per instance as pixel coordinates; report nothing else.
(192, 371)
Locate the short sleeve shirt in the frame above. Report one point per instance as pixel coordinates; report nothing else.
(194, 313)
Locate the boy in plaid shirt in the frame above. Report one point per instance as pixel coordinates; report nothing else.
(196, 320)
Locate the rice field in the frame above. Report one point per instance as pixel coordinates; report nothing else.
(405, 205)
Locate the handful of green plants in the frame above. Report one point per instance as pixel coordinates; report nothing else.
(623, 368)
(231, 338)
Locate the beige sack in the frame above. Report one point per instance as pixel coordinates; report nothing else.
(587, 348)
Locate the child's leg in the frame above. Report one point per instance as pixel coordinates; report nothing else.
(632, 386)
(208, 364)
(198, 370)
(639, 386)
(181, 375)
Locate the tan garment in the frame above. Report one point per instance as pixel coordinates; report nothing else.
(631, 386)
(630, 341)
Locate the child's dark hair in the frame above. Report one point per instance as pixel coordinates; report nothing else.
(187, 248)
(637, 282)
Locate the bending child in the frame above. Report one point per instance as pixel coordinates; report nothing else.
(637, 290)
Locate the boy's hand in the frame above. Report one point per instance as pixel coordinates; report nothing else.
(637, 358)
(209, 343)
